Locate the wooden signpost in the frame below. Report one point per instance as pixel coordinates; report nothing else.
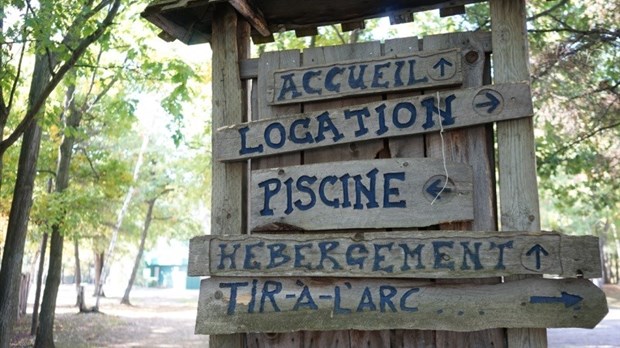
(360, 77)
(231, 305)
(395, 117)
(383, 193)
(403, 254)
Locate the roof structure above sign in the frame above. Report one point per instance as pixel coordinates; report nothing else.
(190, 20)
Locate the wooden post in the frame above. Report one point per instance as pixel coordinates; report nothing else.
(517, 163)
(227, 202)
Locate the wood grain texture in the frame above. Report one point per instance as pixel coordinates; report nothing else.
(229, 305)
(361, 194)
(402, 254)
(519, 205)
(227, 197)
(373, 120)
(348, 78)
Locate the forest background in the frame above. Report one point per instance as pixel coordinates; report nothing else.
(105, 134)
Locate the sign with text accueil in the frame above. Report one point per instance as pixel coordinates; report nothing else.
(384, 193)
(389, 118)
(359, 77)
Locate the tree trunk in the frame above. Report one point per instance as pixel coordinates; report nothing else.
(136, 265)
(11, 269)
(37, 295)
(99, 261)
(78, 270)
(45, 333)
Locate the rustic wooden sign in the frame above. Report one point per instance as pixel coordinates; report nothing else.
(231, 305)
(410, 254)
(360, 77)
(389, 118)
(403, 192)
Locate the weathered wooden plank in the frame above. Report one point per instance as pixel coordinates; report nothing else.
(452, 11)
(365, 76)
(397, 117)
(348, 26)
(361, 194)
(228, 305)
(252, 14)
(401, 17)
(403, 254)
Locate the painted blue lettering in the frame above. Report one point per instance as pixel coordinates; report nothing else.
(244, 146)
(412, 115)
(386, 293)
(366, 302)
(289, 196)
(266, 293)
(282, 135)
(248, 262)
(232, 303)
(378, 75)
(381, 116)
(392, 191)
(446, 115)
(305, 189)
(345, 190)
(337, 308)
(500, 259)
(277, 257)
(439, 255)
(360, 114)
(326, 124)
(329, 79)
(357, 82)
(473, 255)
(351, 260)
(272, 187)
(325, 248)
(412, 79)
(411, 253)
(305, 123)
(332, 180)
(288, 86)
(299, 257)
(252, 303)
(399, 67)
(308, 75)
(403, 300)
(305, 295)
(369, 193)
(230, 256)
(376, 266)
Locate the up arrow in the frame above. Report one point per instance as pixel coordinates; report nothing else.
(538, 249)
(567, 299)
(492, 104)
(441, 64)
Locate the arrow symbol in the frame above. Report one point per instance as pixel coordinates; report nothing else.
(434, 189)
(441, 64)
(538, 249)
(492, 104)
(567, 299)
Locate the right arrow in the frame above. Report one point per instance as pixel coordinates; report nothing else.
(492, 104)
(538, 249)
(567, 299)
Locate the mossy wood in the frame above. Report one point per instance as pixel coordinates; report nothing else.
(402, 254)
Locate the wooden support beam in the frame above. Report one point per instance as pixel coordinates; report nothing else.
(312, 31)
(253, 14)
(401, 17)
(259, 39)
(349, 26)
(451, 11)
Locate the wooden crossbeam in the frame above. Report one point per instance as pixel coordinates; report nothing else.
(252, 14)
(451, 11)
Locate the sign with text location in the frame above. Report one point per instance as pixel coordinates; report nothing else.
(361, 77)
(388, 118)
(384, 193)
(233, 304)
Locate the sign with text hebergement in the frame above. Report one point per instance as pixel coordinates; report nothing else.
(386, 74)
(402, 254)
(389, 118)
(385, 193)
(234, 304)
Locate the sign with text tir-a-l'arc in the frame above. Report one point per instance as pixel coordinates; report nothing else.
(263, 304)
(397, 254)
(384, 193)
(389, 118)
(396, 73)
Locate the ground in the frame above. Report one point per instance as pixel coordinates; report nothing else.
(165, 318)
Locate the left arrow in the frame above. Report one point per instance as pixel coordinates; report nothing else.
(435, 190)
(441, 64)
(567, 299)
